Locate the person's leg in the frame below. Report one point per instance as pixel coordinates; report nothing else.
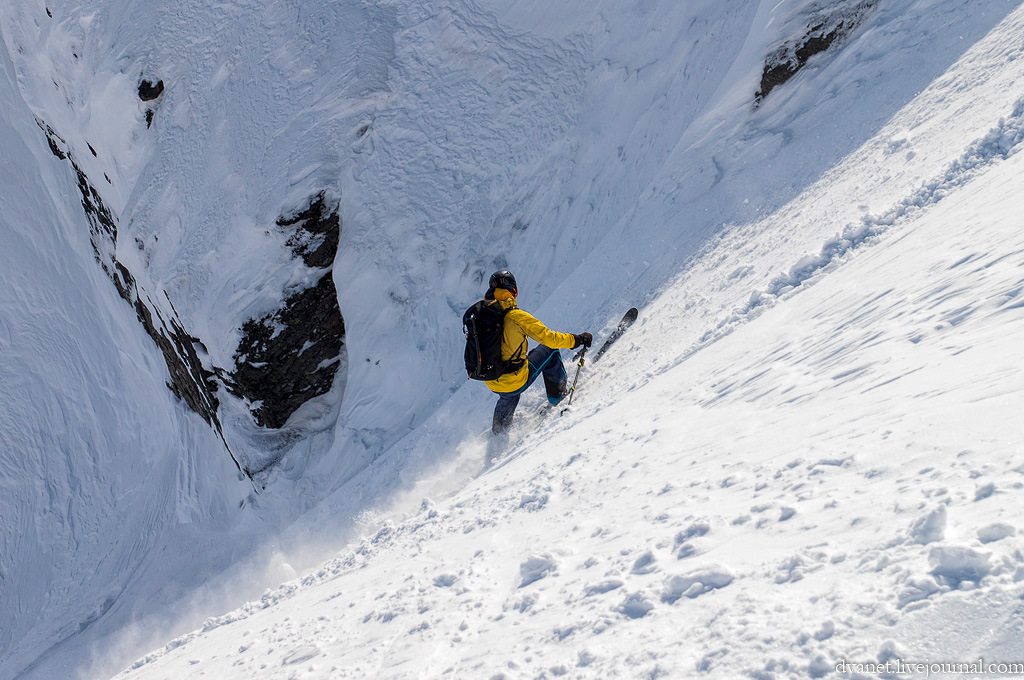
(548, 362)
(506, 406)
(544, 361)
(503, 412)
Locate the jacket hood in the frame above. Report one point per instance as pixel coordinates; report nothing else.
(504, 297)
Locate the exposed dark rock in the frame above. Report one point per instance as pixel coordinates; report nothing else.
(292, 355)
(824, 29)
(54, 140)
(190, 381)
(102, 228)
(148, 91)
(778, 73)
(284, 359)
(289, 357)
(317, 229)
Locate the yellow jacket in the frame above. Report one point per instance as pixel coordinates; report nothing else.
(520, 325)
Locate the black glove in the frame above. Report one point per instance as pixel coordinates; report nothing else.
(584, 339)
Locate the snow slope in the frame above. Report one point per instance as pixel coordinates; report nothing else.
(834, 480)
(609, 155)
(97, 459)
(821, 470)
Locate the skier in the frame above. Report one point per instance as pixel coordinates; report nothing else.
(542, 359)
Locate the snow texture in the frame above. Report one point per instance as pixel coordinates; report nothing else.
(807, 448)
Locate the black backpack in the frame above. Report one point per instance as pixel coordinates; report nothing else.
(484, 326)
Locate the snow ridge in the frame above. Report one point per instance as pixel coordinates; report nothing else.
(998, 144)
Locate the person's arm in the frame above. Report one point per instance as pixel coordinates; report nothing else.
(541, 333)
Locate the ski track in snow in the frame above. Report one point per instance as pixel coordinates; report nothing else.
(795, 476)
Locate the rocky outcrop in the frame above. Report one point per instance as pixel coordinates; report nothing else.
(150, 92)
(316, 233)
(189, 380)
(284, 359)
(824, 27)
(292, 355)
(102, 227)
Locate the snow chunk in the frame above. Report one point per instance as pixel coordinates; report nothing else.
(995, 532)
(645, 564)
(525, 603)
(984, 491)
(696, 582)
(889, 651)
(532, 502)
(827, 630)
(699, 528)
(536, 567)
(819, 667)
(445, 580)
(956, 564)
(635, 606)
(791, 570)
(917, 589)
(930, 528)
(602, 587)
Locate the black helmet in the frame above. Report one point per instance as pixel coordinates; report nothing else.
(504, 279)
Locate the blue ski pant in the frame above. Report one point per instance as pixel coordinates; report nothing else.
(543, 360)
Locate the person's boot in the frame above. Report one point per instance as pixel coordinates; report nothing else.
(499, 425)
(557, 393)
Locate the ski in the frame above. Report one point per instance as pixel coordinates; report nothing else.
(627, 320)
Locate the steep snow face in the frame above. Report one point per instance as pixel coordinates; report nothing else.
(604, 153)
(832, 486)
(96, 457)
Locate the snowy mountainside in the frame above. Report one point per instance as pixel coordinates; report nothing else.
(97, 458)
(599, 151)
(822, 470)
(835, 481)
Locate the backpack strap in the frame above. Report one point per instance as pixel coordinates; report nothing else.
(516, 361)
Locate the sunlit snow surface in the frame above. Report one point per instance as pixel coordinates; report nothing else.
(837, 479)
(808, 449)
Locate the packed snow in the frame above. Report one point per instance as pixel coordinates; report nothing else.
(803, 455)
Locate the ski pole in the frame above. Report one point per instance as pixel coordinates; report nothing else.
(579, 365)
